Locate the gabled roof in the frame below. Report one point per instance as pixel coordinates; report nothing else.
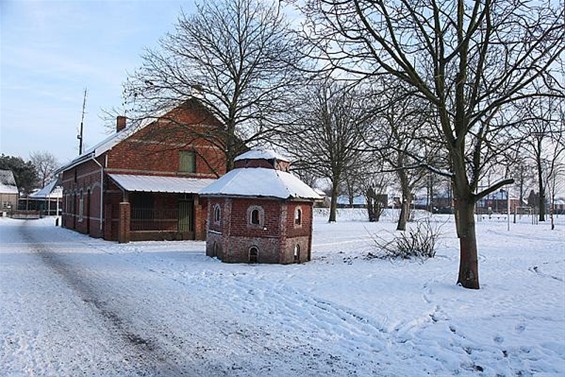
(7, 182)
(116, 138)
(260, 182)
(52, 190)
(151, 183)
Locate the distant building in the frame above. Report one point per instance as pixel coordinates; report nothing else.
(259, 212)
(143, 182)
(344, 201)
(8, 191)
(497, 202)
(48, 200)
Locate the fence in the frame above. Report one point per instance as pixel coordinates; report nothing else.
(162, 219)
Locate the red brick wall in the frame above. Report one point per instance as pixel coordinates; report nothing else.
(272, 215)
(155, 151)
(236, 236)
(84, 178)
(294, 230)
(145, 152)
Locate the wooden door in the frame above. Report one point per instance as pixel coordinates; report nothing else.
(186, 219)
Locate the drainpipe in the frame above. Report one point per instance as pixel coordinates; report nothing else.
(101, 190)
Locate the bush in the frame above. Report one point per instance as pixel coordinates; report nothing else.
(418, 242)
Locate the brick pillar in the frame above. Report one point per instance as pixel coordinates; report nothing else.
(107, 222)
(310, 208)
(284, 252)
(124, 223)
(199, 221)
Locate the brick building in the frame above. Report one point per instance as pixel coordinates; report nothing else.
(259, 212)
(9, 192)
(142, 182)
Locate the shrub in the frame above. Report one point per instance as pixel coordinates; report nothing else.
(417, 242)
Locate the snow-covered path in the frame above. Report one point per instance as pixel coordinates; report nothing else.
(94, 312)
(71, 305)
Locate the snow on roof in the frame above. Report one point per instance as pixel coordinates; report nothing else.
(7, 182)
(51, 190)
(151, 183)
(261, 154)
(260, 182)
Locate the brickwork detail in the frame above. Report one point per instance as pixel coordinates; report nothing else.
(153, 150)
(231, 239)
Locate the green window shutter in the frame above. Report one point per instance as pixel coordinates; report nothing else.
(187, 162)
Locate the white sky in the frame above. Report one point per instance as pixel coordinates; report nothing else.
(52, 50)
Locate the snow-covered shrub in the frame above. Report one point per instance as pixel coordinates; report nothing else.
(419, 241)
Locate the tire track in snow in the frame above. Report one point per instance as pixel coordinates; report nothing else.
(143, 352)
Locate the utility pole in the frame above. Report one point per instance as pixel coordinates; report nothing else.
(79, 136)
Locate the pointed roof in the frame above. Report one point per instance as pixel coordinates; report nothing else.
(261, 154)
(260, 182)
(52, 190)
(117, 137)
(7, 182)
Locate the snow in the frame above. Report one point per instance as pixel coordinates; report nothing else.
(74, 305)
(261, 154)
(260, 182)
(7, 182)
(51, 190)
(148, 183)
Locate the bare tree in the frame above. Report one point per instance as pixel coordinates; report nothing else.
(236, 56)
(400, 135)
(326, 135)
(542, 139)
(45, 164)
(467, 59)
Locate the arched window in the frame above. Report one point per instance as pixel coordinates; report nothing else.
(217, 249)
(298, 216)
(297, 253)
(217, 213)
(253, 254)
(255, 216)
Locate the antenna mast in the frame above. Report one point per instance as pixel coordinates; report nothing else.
(79, 136)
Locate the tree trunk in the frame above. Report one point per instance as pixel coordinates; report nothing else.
(333, 202)
(404, 211)
(468, 261)
(541, 202)
(370, 204)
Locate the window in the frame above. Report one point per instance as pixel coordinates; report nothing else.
(80, 207)
(255, 216)
(217, 249)
(297, 253)
(253, 254)
(217, 213)
(298, 216)
(187, 162)
(142, 205)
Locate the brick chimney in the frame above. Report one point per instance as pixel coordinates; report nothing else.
(120, 123)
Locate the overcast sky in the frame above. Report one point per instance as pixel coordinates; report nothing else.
(52, 50)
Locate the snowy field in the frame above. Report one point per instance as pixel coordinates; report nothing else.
(76, 306)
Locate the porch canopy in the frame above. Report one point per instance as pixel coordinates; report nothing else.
(152, 183)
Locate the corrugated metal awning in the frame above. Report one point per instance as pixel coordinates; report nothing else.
(151, 183)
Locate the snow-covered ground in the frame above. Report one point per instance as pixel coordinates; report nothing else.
(71, 305)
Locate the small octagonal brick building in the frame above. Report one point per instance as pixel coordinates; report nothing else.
(259, 212)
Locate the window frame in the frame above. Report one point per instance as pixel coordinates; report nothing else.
(298, 213)
(217, 214)
(260, 216)
(190, 157)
